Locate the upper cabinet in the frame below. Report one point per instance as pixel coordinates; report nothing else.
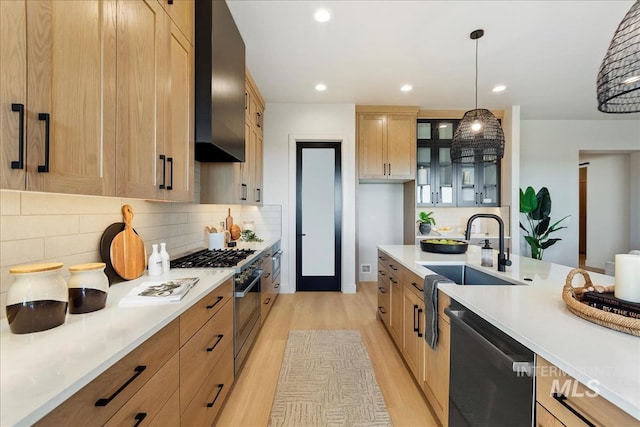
(440, 182)
(240, 182)
(386, 143)
(108, 107)
(181, 13)
(57, 88)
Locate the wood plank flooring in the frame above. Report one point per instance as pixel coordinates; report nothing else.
(249, 403)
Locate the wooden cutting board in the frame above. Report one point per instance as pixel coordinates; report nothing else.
(127, 249)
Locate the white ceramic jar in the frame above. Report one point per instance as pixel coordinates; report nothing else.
(88, 287)
(37, 298)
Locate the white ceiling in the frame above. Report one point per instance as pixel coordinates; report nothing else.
(547, 52)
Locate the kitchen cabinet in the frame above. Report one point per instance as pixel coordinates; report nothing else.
(181, 13)
(413, 333)
(141, 382)
(240, 183)
(154, 105)
(58, 91)
(440, 182)
(386, 143)
(268, 291)
(562, 400)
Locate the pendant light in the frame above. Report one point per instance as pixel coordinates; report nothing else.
(619, 75)
(479, 137)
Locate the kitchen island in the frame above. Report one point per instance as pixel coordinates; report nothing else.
(534, 314)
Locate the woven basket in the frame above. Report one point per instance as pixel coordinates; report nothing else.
(572, 297)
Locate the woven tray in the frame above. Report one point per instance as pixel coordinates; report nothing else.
(572, 297)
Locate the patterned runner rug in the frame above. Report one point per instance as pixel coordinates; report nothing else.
(326, 379)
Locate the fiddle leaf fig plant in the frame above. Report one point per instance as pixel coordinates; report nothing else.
(536, 208)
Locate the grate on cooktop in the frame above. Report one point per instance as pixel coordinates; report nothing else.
(218, 258)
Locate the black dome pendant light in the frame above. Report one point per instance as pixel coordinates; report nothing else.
(619, 75)
(479, 137)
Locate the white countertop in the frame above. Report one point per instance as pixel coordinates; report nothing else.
(41, 370)
(536, 316)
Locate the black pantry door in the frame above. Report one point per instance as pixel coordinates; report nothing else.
(318, 216)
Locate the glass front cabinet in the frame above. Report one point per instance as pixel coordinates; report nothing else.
(441, 183)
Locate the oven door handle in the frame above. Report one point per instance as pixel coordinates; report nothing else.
(276, 256)
(251, 285)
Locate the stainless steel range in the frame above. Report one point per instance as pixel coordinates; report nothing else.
(247, 278)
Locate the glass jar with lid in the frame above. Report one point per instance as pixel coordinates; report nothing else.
(88, 287)
(37, 298)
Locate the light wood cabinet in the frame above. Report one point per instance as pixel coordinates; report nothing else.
(268, 291)
(386, 143)
(240, 183)
(122, 390)
(563, 400)
(58, 86)
(181, 13)
(436, 365)
(414, 344)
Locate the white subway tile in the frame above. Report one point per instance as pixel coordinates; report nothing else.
(60, 246)
(32, 226)
(10, 202)
(97, 223)
(24, 251)
(34, 203)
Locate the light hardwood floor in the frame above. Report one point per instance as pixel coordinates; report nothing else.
(249, 403)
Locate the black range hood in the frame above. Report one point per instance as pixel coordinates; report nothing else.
(219, 84)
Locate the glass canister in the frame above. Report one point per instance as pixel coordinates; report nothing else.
(37, 298)
(88, 288)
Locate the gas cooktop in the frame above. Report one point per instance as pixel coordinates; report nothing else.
(217, 258)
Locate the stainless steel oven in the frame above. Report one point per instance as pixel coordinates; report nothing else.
(275, 262)
(247, 311)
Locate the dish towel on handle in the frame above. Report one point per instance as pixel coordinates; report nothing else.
(430, 292)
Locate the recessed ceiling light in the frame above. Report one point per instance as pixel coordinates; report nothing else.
(406, 88)
(499, 88)
(320, 87)
(322, 15)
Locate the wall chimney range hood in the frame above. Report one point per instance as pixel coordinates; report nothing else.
(219, 84)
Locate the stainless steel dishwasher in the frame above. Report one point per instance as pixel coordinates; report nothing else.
(491, 380)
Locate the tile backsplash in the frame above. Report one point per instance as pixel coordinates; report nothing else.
(47, 227)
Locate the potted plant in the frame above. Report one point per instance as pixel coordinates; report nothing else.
(425, 222)
(537, 209)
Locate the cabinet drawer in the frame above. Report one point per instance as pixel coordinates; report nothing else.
(416, 285)
(208, 400)
(596, 409)
(150, 400)
(203, 350)
(118, 384)
(194, 318)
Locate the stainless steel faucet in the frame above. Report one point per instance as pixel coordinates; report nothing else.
(503, 259)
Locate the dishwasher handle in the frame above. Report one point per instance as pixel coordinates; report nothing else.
(519, 367)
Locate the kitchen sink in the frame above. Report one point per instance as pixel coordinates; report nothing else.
(464, 275)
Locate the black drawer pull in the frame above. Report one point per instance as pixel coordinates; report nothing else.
(392, 267)
(562, 399)
(46, 118)
(139, 417)
(395, 282)
(266, 275)
(418, 331)
(382, 273)
(220, 298)
(215, 343)
(259, 195)
(382, 310)
(164, 171)
(382, 258)
(213, 402)
(415, 285)
(267, 301)
(382, 290)
(276, 286)
(415, 328)
(170, 161)
(19, 164)
(104, 402)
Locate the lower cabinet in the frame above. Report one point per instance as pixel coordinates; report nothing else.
(180, 376)
(561, 400)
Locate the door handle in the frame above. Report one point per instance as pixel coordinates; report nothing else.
(164, 171)
(46, 118)
(243, 196)
(389, 169)
(213, 402)
(415, 328)
(140, 416)
(170, 161)
(419, 333)
(105, 401)
(19, 164)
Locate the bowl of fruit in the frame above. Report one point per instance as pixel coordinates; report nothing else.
(444, 246)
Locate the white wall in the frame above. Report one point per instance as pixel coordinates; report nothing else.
(634, 203)
(379, 223)
(284, 124)
(608, 207)
(549, 157)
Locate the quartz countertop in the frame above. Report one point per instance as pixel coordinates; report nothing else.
(41, 370)
(535, 315)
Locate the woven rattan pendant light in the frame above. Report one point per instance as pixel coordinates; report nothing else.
(479, 137)
(619, 75)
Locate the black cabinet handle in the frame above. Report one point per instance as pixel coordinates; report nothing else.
(415, 328)
(481, 199)
(382, 273)
(562, 399)
(164, 171)
(258, 121)
(170, 161)
(213, 402)
(266, 275)
(382, 258)
(267, 301)
(389, 169)
(392, 267)
(395, 282)
(384, 169)
(382, 290)
(382, 310)
(243, 196)
(46, 118)
(220, 298)
(276, 286)
(215, 343)
(138, 370)
(170, 1)
(258, 192)
(139, 417)
(246, 102)
(415, 285)
(19, 164)
(418, 331)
